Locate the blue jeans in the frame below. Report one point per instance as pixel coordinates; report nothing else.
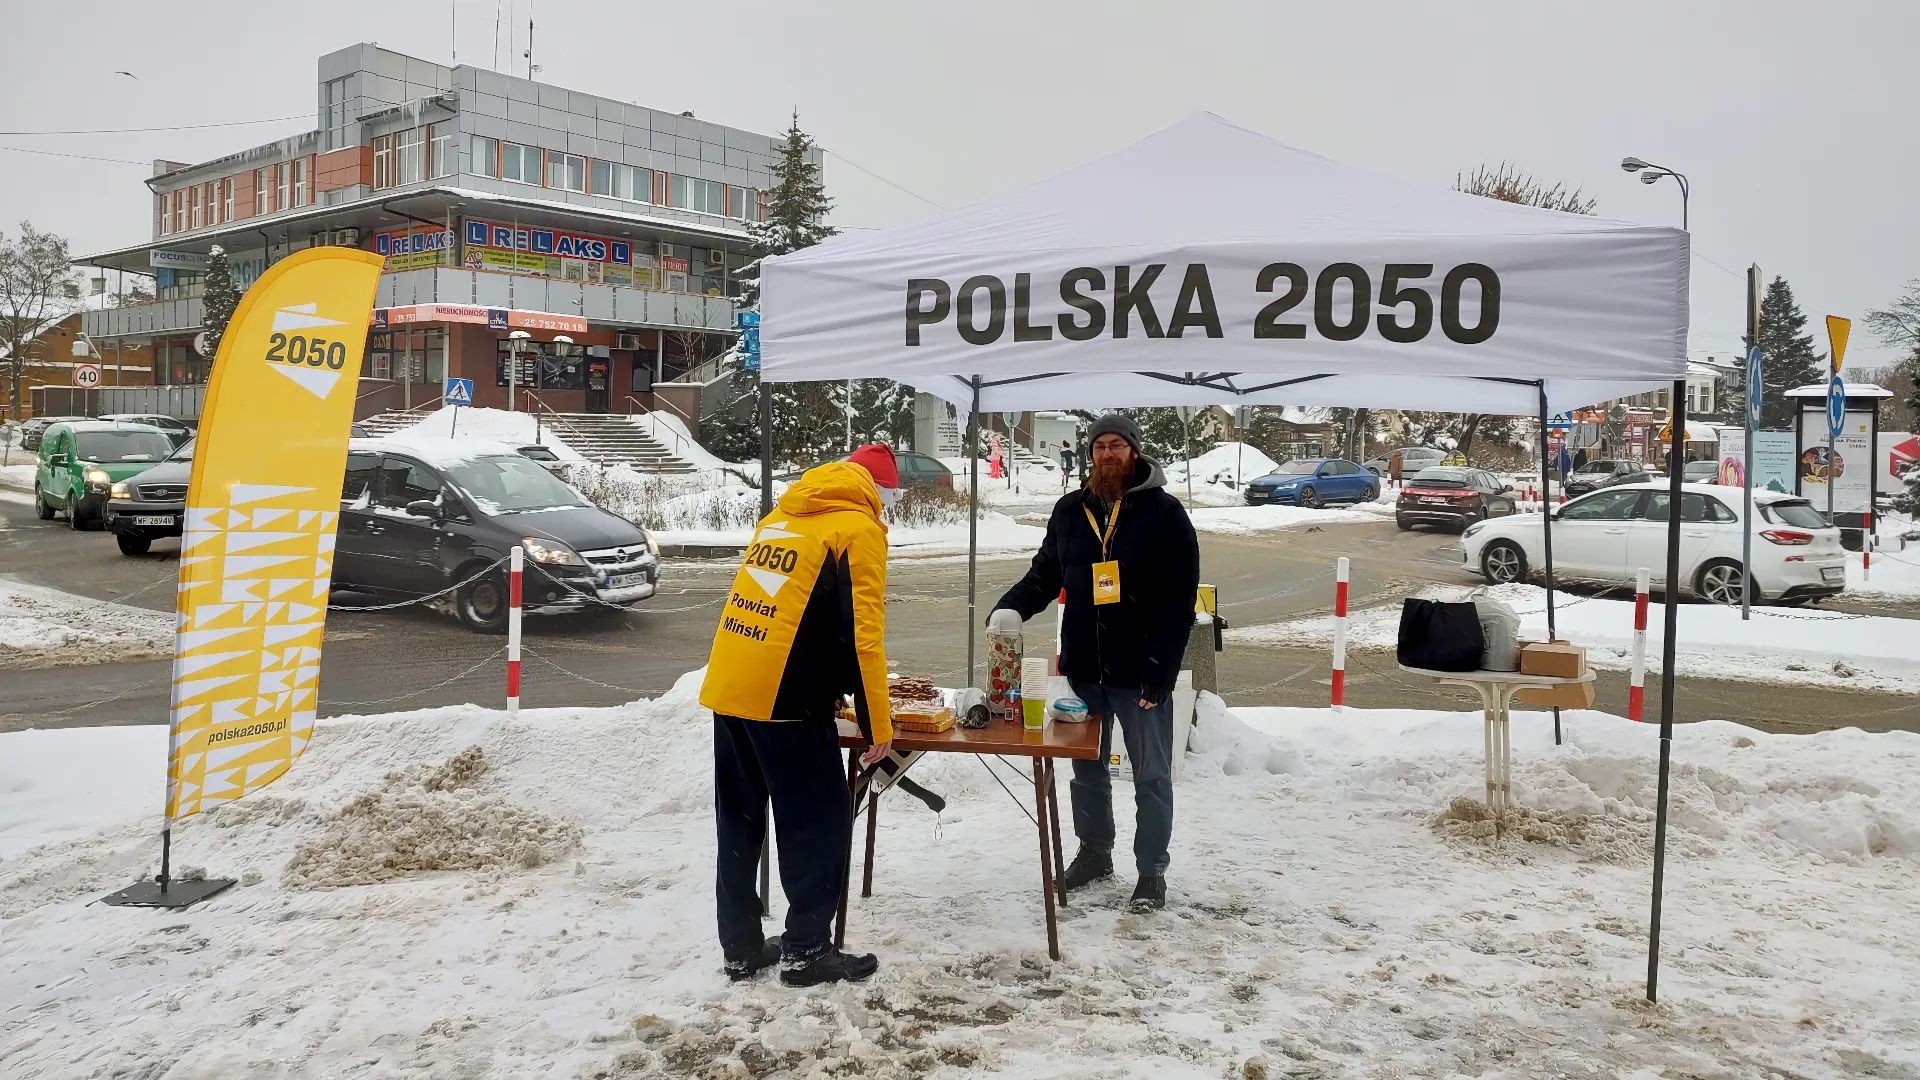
(1149, 740)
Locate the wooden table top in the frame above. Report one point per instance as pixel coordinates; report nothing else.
(1001, 737)
(1508, 678)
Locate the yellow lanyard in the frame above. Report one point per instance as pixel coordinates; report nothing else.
(1113, 522)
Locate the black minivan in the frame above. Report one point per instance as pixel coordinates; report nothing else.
(418, 518)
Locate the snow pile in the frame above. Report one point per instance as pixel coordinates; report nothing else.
(1251, 520)
(1221, 465)
(42, 627)
(428, 817)
(1786, 645)
(19, 475)
(1333, 911)
(515, 429)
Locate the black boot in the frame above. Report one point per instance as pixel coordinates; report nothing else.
(748, 968)
(830, 966)
(1089, 865)
(1150, 894)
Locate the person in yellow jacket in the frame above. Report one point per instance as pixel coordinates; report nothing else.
(804, 624)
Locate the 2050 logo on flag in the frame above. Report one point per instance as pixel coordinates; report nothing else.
(256, 555)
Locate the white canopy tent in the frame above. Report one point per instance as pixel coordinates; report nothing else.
(1207, 264)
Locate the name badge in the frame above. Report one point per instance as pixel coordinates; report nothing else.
(1106, 582)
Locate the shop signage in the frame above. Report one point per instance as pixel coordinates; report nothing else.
(178, 260)
(491, 318)
(564, 245)
(406, 249)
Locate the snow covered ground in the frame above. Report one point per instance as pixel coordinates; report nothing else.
(493, 425)
(1791, 645)
(17, 475)
(44, 627)
(1333, 912)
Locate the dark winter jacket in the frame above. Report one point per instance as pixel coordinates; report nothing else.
(1140, 640)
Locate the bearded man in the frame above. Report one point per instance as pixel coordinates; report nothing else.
(1126, 554)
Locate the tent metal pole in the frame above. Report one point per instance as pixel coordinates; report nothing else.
(973, 520)
(1546, 530)
(1667, 679)
(766, 447)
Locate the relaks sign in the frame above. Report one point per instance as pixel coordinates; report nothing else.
(561, 245)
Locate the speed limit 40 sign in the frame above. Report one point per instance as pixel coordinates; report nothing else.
(86, 376)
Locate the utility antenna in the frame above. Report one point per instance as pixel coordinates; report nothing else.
(496, 35)
(453, 17)
(531, 66)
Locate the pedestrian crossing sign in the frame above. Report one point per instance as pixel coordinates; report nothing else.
(459, 392)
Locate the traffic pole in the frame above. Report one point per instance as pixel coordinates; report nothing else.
(516, 561)
(1340, 633)
(1866, 549)
(1637, 684)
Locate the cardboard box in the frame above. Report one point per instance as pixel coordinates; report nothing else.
(1570, 696)
(1557, 659)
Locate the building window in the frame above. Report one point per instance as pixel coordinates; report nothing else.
(743, 204)
(410, 156)
(165, 216)
(699, 196)
(226, 199)
(440, 150)
(282, 179)
(300, 197)
(193, 207)
(179, 201)
(333, 112)
(567, 171)
(259, 191)
(520, 164)
(486, 156)
(382, 162)
(617, 181)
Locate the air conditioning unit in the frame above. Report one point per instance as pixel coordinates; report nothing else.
(716, 257)
(627, 342)
(671, 251)
(344, 237)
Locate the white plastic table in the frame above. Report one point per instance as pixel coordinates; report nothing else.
(1496, 690)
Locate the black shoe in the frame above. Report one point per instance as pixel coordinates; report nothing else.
(738, 970)
(1150, 894)
(1089, 865)
(830, 966)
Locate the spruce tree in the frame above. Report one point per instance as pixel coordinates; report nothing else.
(882, 412)
(805, 423)
(1788, 360)
(218, 297)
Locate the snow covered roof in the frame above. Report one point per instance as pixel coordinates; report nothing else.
(441, 453)
(1853, 389)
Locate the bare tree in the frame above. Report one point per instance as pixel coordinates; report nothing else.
(1508, 184)
(1898, 325)
(37, 285)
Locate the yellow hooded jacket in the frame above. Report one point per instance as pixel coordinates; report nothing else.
(806, 620)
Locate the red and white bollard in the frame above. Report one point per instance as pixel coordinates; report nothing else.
(1637, 682)
(1866, 550)
(1340, 633)
(516, 562)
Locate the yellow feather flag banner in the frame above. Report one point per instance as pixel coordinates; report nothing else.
(256, 553)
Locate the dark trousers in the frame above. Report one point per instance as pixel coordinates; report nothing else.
(798, 764)
(1149, 739)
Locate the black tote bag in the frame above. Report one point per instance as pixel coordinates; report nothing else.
(1440, 636)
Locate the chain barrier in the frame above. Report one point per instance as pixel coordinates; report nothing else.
(136, 688)
(420, 599)
(524, 651)
(484, 661)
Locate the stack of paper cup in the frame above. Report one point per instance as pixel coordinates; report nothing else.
(1033, 691)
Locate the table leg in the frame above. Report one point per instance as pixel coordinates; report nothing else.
(1053, 821)
(1046, 857)
(873, 826)
(846, 882)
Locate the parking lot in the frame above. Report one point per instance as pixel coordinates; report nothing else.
(415, 657)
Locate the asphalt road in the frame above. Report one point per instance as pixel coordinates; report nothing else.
(415, 658)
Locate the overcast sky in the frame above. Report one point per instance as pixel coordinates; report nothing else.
(1794, 121)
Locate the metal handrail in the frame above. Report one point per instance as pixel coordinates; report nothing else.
(679, 442)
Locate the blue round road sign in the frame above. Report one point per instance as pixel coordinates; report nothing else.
(1836, 407)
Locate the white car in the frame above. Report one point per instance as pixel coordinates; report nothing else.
(1609, 534)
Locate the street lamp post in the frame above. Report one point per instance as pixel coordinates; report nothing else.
(539, 383)
(1651, 174)
(513, 367)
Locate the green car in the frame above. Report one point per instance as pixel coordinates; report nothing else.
(81, 459)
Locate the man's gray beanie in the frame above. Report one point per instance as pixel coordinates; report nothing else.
(1115, 424)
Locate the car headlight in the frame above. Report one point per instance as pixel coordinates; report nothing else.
(120, 491)
(550, 552)
(98, 476)
(653, 545)
(1473, 528)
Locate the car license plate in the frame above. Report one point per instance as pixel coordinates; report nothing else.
(153, 519)
(1833, 573)
(626, 581)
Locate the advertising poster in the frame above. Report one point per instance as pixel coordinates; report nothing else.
(1851, 473)
(1774, 461)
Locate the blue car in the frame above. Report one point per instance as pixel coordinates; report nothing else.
(1314, 482)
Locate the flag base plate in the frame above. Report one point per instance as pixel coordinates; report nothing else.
(175, 894)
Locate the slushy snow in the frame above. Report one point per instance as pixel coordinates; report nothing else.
(41, 626)
(1334, 910)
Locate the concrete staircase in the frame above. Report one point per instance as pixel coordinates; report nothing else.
(603, 438)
